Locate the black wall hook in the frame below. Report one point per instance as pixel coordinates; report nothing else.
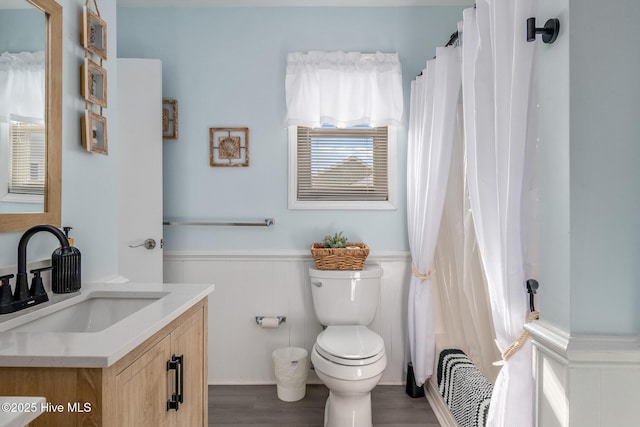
(549, 31)
(532, 287)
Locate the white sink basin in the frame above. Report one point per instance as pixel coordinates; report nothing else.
(94, 313)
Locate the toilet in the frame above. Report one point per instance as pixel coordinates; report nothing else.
(348, 357)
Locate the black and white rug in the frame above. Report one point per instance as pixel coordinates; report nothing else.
(464, 388)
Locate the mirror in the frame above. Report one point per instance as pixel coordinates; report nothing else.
(48, 136)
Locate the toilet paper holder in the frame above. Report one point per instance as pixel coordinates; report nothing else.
(281, 319)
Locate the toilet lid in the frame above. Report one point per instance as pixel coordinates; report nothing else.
(350, 344)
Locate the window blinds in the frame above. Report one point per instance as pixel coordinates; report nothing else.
(342, 164)
(28, 166)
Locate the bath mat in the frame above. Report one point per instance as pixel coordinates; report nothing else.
(465, 390)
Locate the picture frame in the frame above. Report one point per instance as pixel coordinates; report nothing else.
(169, 119)
(93, 33)
(229, 147)
(94, 133)
(93, 83)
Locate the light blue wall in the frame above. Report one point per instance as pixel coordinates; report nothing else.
(226, 68)
(89, 197)
(21, 30)
(554, 171)
(589, 138)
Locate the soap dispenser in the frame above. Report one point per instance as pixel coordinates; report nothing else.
(66, 275)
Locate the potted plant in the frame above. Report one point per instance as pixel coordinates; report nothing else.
(337, 253)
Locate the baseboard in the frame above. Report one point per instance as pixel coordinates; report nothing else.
(311, 381)
(439, 407)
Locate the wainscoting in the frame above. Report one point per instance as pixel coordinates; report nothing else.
(250, 284)
(584, 381)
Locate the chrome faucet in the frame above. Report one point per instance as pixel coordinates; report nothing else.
(65, 277)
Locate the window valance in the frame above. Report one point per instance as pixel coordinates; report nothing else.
(22, 85)
(344, 89)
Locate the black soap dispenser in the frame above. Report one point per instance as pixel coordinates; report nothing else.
(66, 274)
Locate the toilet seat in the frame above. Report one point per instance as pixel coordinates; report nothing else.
(350, 345)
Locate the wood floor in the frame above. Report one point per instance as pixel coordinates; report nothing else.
(259, 406)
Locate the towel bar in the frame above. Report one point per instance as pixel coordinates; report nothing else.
(267, 222)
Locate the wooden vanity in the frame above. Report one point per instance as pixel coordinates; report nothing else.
(162, 381)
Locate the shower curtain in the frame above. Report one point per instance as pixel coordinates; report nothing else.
(434, 97)
(463, 310)
(497, 98)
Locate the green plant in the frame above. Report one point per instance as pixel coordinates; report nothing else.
(335, 241)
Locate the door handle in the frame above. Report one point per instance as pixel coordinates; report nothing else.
(148, 244)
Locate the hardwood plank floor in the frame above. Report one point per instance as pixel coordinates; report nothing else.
(259, 406)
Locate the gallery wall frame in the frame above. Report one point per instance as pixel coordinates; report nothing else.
(170, 119)
(229, 147)
(93, 32)
(93, 83)
(94, 133)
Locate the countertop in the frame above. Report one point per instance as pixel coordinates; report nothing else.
(18, 411)
(95, 349)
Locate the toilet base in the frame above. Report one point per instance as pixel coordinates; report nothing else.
(348, 410)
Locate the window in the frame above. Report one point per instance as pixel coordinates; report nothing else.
(351, 168)
(27, 165)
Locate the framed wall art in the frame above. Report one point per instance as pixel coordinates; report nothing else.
(94, 133)
(93, 83)
(169, 119)
(229, 147)
(93, 33)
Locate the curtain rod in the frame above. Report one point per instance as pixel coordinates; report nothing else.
(452, 40)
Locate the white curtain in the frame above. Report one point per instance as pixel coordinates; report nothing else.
(343, 89)
(434, 96)
(462, 303)
(497, 75)
(22, 87)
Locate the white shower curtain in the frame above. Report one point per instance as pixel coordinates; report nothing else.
(462, 307)
(497, 70)
(434, 97)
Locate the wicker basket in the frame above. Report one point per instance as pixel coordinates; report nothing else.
(340, 258)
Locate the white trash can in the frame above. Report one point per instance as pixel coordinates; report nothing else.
(291, 365)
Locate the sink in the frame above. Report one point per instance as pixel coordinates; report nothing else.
(94, 313)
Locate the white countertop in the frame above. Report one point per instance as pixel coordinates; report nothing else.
(18, 411)
(94, 349)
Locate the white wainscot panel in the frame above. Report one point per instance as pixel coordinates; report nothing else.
(277, 284)
(584, 381)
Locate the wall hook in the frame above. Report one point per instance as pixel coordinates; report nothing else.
(532, 287)
(549, 31)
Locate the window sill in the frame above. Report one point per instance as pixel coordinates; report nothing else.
(348, 205)
(22, 198)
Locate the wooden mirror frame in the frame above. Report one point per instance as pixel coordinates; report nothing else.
(53, 186)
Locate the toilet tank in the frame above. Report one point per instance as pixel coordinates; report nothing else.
(346, 297)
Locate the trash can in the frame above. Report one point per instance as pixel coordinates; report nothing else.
(291, 365)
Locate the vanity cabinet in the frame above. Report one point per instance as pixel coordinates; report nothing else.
(144, 388)
(134, 391)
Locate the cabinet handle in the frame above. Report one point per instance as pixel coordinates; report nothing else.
(176, 399)
(180, 360)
